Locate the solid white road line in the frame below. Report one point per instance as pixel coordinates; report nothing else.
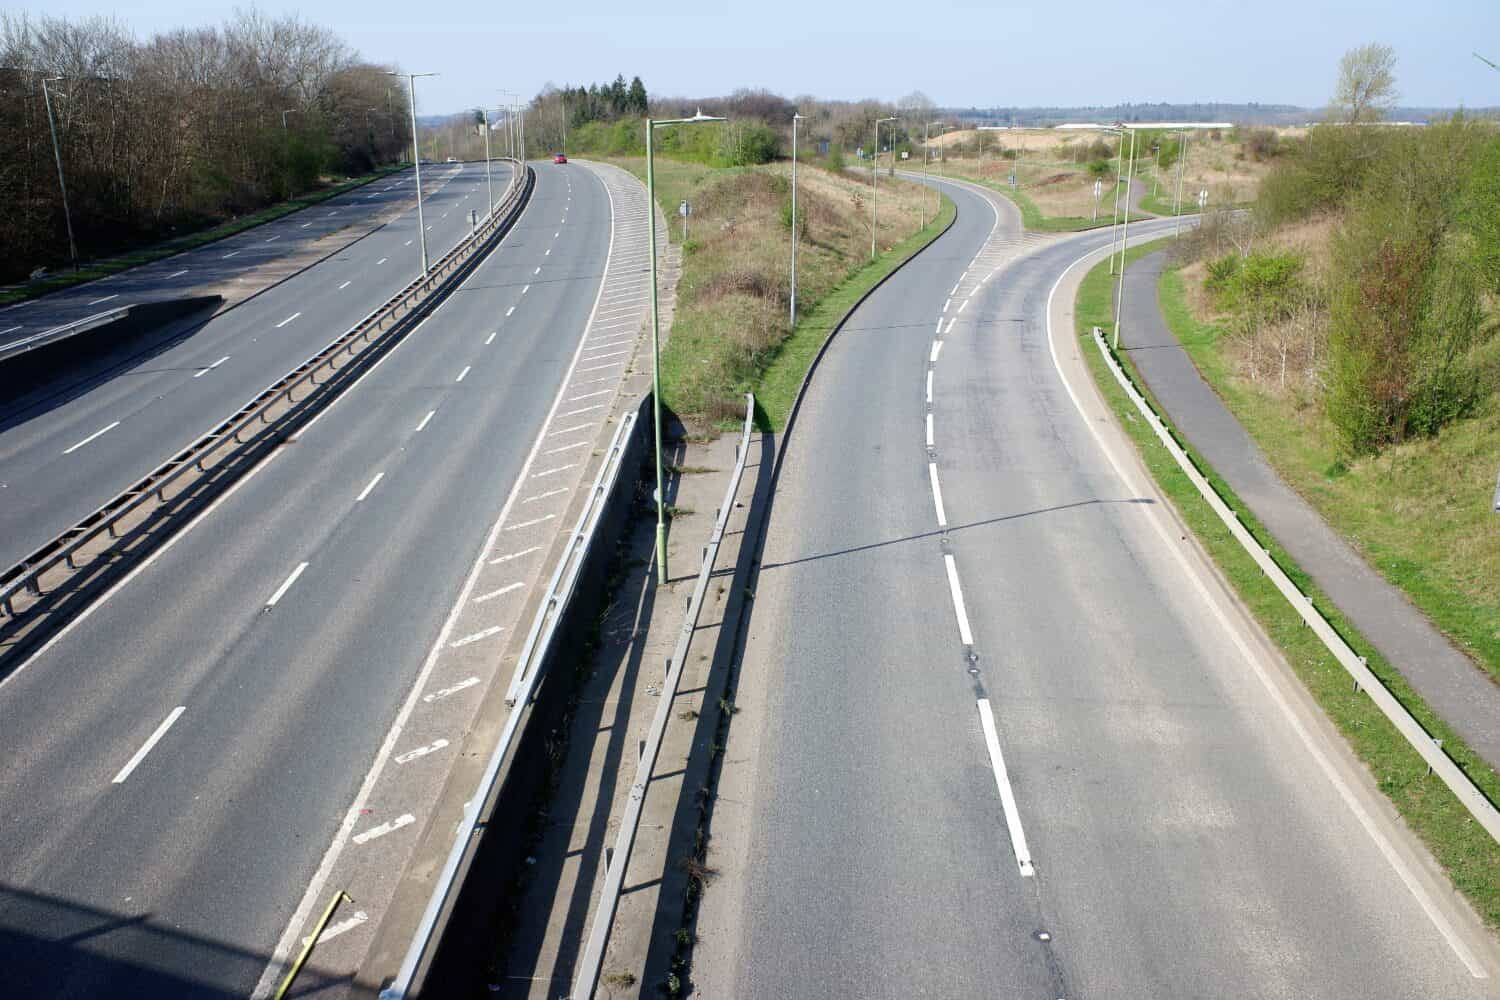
(418, 752)
(1007, 796)
(937, 495)
(424, 420)
(463, 373)
(600, 368)
(80, 444)
(105, 299)
(553, 472)
(514, 555)
(570, 430)
(567, 447)
(476, 637)
(344, 286)
(204, 371)
(527, 524)
(497, 593)
(407, 819)
(286, 585)
(581, 409)
(957, 592)
(543, 496)
(937, 345)
(587, 395)
(366, 491)
(288, 320)
(140, 754)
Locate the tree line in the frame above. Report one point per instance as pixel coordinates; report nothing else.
(177, 131)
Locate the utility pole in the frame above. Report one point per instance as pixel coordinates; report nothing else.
(57, 155)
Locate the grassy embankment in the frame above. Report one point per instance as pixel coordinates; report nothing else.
(156, 251)
(1053, 197)
(1466, 852)
(731, 331)
(1419, 512)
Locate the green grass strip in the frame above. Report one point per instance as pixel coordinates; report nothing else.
(1461, 846)
(776, 389)
(135, 258)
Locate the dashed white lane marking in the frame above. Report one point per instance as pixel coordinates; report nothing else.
(955, 287)
(341, 927)
(288, 320)
(406, 819)
(9, 329)
(408, 242)
(937, 345)
(1007, 795)
(546, 253)
(948, 303)
(463, 373)
(581, 409)
(937, 495)
(501, 592)
(929, 428)
(304, 225)
(286, 585)
(105, 299)
(526, 289)
(510, 310)
(490, 339)
(273, 239)
(381, 261)
(939, 330)
(950, 325)
(140, 755)
(537, 271)
(543, 496)
(366, 491)
(451, 690)
(474, 637)
(556, 234)
(422, 751)
(424, 420)
(964, 305)
(72, 448)
(567, 447)
(208, 368)
(344, 286)
(527, 524)
(229, 255)
(178, 274)
(929, 385)
(957, 592)
(514, 555)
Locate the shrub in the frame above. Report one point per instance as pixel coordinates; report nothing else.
(1100, 168)
(836, 158)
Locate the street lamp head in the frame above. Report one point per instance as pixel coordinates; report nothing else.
(699, 116)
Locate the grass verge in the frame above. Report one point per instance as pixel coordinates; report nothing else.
(135, 258)
(1033, 219)
(776, 390)
(1461, 846)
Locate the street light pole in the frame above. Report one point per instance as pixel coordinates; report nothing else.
(411, 82)
(489, 184)
(1115, 220)
(1181, 169)
(61, 184)
(661, 494)
(793, 308)
(875, 187)
(1125, 238)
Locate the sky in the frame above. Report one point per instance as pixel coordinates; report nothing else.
(961, 54)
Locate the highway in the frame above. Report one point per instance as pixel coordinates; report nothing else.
(176, 763)
(1006, 733)
(80, 436)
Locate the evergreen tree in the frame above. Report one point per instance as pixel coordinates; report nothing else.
(637, 103)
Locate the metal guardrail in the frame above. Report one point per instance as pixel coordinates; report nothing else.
(56, 561)
(592, 959)
(62, 332)
(528, 673)
(1431, 751)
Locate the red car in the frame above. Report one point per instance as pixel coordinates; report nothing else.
(559, 158)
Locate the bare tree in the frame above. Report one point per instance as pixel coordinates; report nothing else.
(1367, 84)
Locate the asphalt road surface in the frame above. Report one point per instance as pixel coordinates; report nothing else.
(1013, 740)
(174, 765)
(71, 443)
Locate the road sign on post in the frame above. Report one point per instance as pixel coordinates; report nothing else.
(684, 210)
(1098, 190)
(1202, 199)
